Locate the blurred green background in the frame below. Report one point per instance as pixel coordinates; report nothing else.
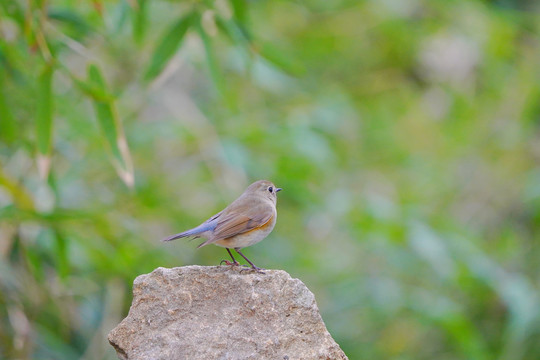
(405, 135)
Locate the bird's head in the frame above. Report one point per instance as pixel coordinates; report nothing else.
(264, 188)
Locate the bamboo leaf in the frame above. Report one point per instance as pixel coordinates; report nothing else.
(61, 253)
(91, 90)
(168, 45)
(120, 15)
(139, 21)
(21, 198)
(211, 59)
(44, 119)
(239, 10)
(281, 59)
(8, 127)
(13, 10)
(111, 126)
(70, 18)
(234, 31)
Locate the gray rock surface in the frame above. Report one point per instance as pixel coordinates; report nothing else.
(219, 312)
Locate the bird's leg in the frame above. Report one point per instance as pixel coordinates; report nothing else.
(235, 263)
(258, 269)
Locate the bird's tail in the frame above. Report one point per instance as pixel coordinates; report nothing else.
(179, 235)
(191, 232)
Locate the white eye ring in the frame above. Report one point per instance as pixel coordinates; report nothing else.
(271, 189)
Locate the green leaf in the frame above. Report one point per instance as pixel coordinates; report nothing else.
(168, 45)
(139, 21)
(61, 254)
(239, 10)
(91, 90)
(111, 126)
(120, 15)
(234, 31)
(44, 117)
(283, 60)
(18, 193)
(13, 10)
(8, 126)
(211, 59)
(104, 111)
(69, 17)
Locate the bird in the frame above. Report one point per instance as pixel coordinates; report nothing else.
(245, 222)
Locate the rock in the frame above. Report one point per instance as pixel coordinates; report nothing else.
(222, 312)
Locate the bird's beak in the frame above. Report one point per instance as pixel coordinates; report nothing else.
(278, 189)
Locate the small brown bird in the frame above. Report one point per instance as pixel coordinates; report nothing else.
(246, 221)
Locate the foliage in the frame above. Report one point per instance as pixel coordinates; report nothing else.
(405, 136)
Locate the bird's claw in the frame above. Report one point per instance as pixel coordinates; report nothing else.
(227, 262)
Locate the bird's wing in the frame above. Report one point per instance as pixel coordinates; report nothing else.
(241, 220)
(235, 224)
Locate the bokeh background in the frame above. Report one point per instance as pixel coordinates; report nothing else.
(405, 135)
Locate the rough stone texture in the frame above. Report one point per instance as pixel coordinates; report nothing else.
(220, 312)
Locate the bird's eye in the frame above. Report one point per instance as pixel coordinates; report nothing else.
(271, 189)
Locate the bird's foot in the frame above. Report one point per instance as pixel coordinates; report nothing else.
(235, 263)
(227, 262)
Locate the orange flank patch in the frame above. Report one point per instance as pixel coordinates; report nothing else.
(262, 227)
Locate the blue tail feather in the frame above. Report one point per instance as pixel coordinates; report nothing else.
(192, 232)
